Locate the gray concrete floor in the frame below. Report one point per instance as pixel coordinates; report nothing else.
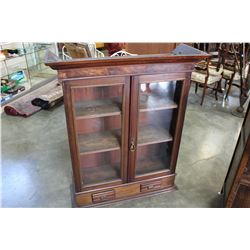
(36, 166)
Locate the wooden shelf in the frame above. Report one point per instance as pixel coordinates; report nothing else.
(98, 108)
(152, 134)
(102, 173)
(99, 142)
(147, 165)
(155, 102)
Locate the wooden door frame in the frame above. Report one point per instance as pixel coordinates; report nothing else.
(178, 118)
(181, 97)
(68, 86)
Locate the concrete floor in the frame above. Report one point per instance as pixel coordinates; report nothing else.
(36, 166)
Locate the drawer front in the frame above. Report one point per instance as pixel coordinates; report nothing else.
(125, 191)
(103, 196)
(151, 186)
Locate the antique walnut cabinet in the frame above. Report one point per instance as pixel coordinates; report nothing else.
(124, 118)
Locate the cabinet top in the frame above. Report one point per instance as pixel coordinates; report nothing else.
(183, 53)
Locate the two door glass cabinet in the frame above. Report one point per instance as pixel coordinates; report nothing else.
(124, 119)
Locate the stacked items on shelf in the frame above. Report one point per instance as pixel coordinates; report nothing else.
(10, 87)
(21, 67)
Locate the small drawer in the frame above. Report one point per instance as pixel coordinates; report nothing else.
(150, 186)
(103, 196)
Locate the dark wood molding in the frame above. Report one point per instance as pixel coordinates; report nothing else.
(182, 53)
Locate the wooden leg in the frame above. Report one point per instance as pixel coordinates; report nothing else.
(219, 87)
(216, 90)
(204, 93)
(229, 88)
(225, 85)
(196, 87)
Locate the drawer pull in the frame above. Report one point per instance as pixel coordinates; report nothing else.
(104, 196)
(150, 186)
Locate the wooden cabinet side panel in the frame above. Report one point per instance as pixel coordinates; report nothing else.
(239, 163)
(72, 136)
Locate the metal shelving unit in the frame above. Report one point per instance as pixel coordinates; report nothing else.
(28, 64)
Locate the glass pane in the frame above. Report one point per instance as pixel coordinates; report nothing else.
(14, 73)
(156, 105)
(16, 64)
(3, 69)
(151, 158)
(23, 67)
(98, 112)
(35, 55)
(100, 167)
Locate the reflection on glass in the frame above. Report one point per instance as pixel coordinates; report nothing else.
(156, 105)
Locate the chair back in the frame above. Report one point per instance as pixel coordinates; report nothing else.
(77, 50)
(122, 53)
(229, 54)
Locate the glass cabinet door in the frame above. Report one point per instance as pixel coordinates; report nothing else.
(156, 111)
(100, 107)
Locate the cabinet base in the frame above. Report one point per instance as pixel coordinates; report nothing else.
(126, 191)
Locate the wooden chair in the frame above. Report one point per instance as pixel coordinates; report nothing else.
(80, 50)
(75, 50)
(207, 47)
(206, 74)
(93, 50)
(231, 67)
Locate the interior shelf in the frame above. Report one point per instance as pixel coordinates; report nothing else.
(101, 173)
(28, 51)
(152, 134)
(155, 102)
(99, 142)
(98, 108)
(13, 72)
(14, 57)
(26, 59)
(149, 165)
